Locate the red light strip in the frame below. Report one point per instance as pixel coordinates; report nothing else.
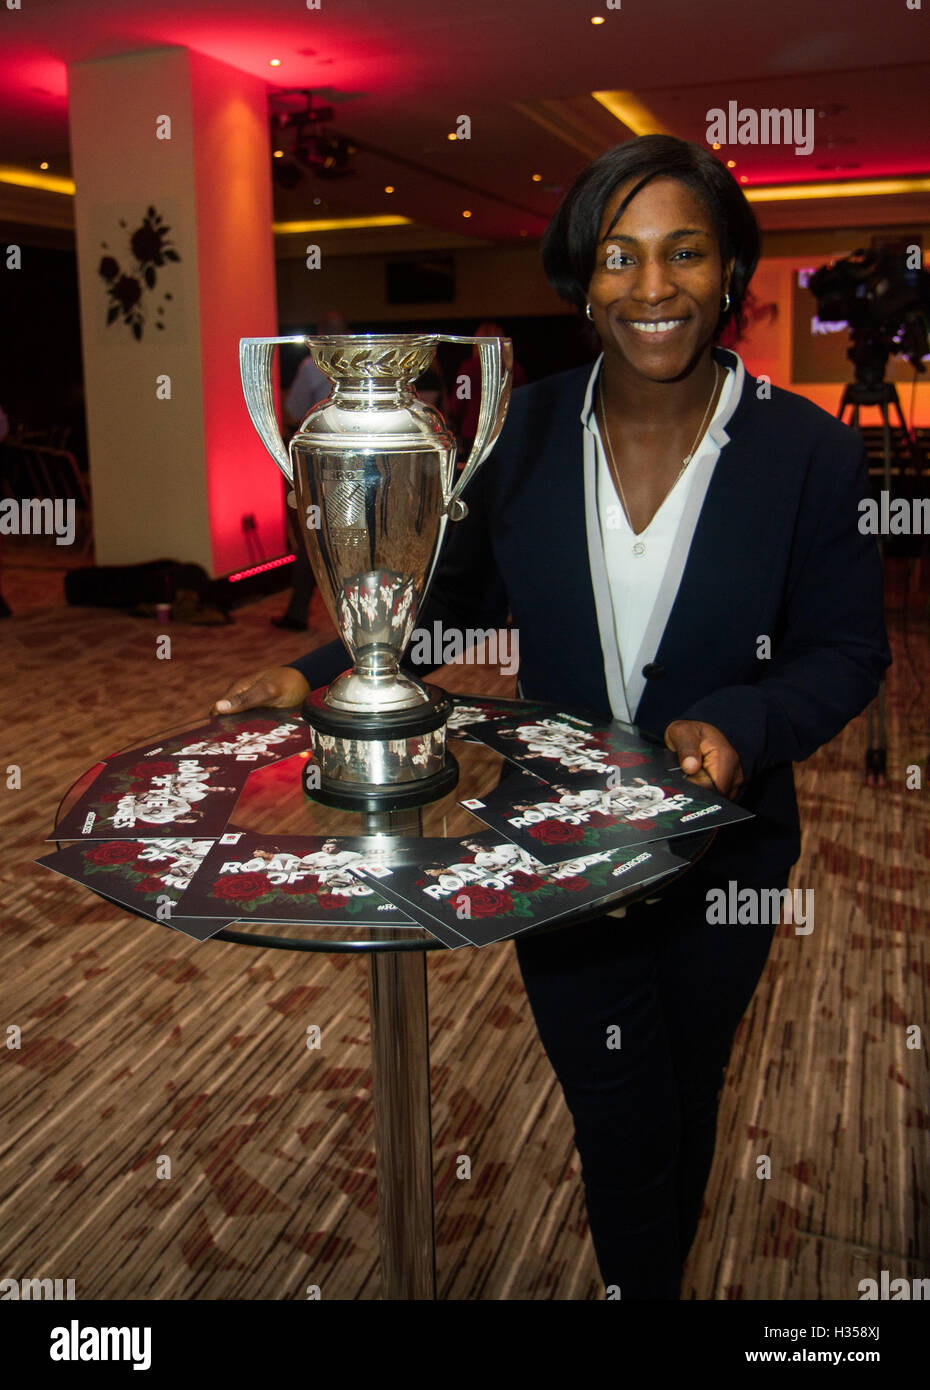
(260, 569)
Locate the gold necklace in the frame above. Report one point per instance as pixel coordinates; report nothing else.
(615, 472)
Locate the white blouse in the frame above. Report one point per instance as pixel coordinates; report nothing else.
(636, 577)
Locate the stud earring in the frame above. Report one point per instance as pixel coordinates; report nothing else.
(587, 309)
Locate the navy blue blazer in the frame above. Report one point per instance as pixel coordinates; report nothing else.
(776, 552)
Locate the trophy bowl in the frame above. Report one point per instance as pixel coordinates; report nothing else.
(373, 472)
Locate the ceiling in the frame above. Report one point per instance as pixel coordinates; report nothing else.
(399, 75)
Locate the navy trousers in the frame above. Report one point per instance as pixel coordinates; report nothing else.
(645, 1112)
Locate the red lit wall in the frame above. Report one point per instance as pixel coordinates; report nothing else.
(232, 160)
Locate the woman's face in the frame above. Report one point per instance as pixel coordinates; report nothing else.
(659, 280)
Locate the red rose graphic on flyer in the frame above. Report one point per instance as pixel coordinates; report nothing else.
(244, 886)
(525, 881)
(304, 885)
(114, 852)
(131, 798)
(483, 889)
(149, 884)
(293, 878)
(551, 820)
(328, 902)
(626, 758)
(487, 902)
(148, 876)
(159, 769)
(556, 832)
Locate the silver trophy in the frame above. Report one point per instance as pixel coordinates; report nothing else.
(374, 478)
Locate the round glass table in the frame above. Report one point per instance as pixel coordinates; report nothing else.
(273, 802)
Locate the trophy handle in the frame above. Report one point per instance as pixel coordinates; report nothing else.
(496, 357)
(255, 369)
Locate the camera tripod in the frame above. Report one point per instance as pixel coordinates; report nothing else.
(884, 395)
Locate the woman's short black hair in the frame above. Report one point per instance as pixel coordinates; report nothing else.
(569, 245)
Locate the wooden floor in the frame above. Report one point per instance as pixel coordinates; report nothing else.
(140, 1045)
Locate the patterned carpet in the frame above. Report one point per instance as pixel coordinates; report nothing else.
(145, 1053)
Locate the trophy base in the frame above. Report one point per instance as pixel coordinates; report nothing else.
(372, 796)
(379, 762)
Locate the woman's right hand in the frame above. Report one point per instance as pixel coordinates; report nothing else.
(280, 687)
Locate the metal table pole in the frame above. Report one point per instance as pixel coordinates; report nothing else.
(401, 1098)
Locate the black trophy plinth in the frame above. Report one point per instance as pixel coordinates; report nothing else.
(404, 748)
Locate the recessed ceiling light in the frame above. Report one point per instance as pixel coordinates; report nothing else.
(731, 163)
(452, 135)
(715, 145)
(537, 178)
(317, 201)
(279, 154)
(466, 213)
(389, 188)
(274, 62)
(743, 178)
(44, 164)
(597, 19)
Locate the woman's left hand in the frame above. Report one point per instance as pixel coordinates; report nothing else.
(705, 756)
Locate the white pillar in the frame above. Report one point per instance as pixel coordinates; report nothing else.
(174, 461)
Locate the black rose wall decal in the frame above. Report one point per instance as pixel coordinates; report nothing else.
(150, 249)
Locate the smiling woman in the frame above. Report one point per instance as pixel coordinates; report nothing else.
(658, 243)
(644, 520)
(602, 193)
